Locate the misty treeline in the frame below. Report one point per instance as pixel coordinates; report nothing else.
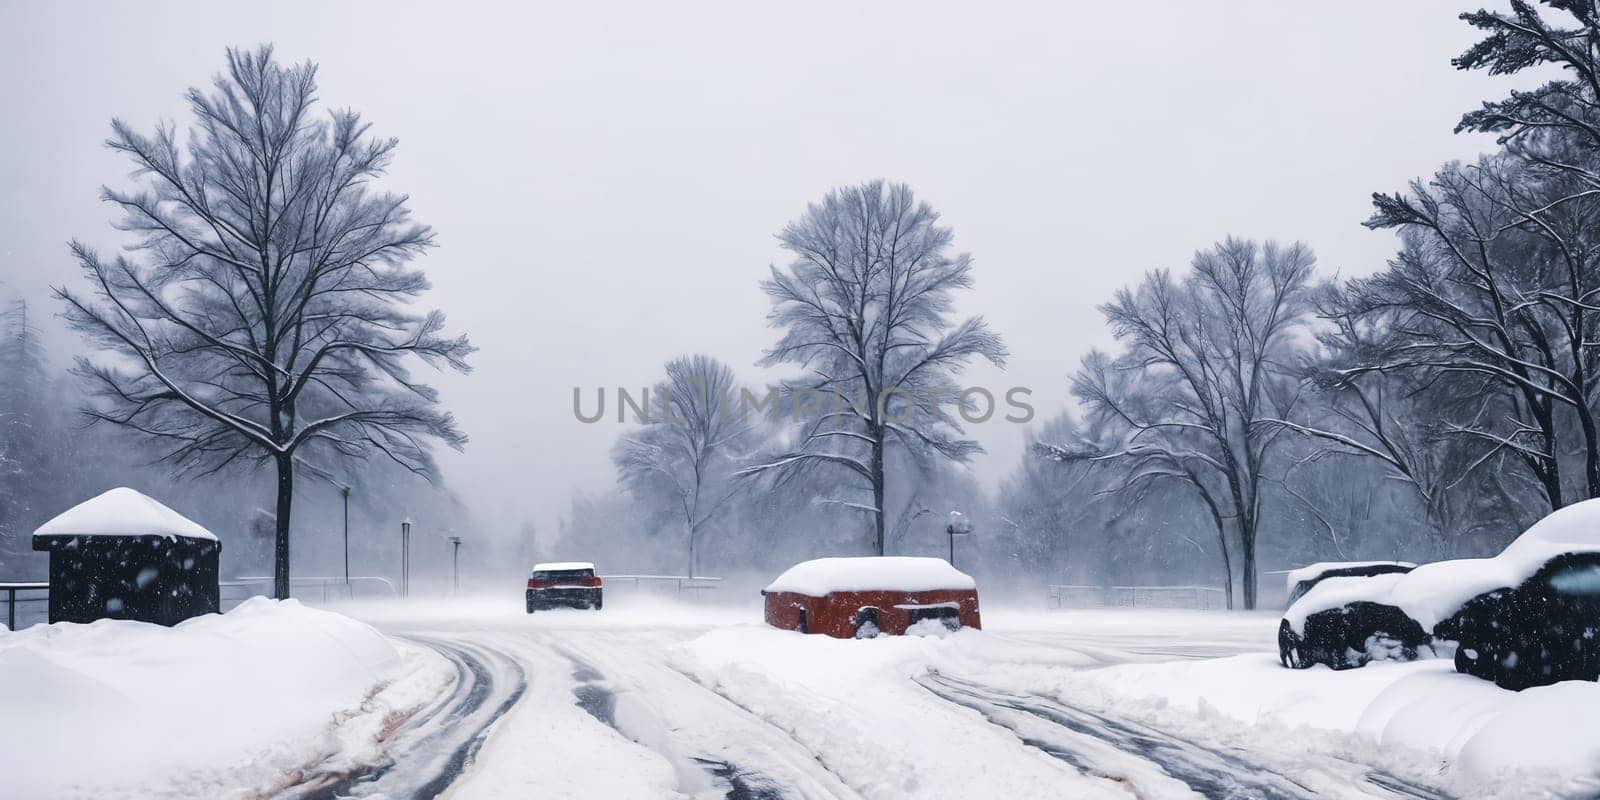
(1255, 415)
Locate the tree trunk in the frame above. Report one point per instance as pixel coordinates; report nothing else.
(1247, 536)
(280, 544)
(877, 485)
(1591, 457)
(1550, 474)
(1227, 567)
(1222, 542)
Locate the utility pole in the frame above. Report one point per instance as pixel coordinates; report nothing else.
(405, 557)
(455, 565)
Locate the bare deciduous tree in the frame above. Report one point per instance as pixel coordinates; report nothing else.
(865, 309)
(1206, 366)
(690, 444)
(1494, 283)
(262, 314)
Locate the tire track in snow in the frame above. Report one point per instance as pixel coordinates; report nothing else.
(1154, 763)
(700, 730)
(595, 697)
(430, 749)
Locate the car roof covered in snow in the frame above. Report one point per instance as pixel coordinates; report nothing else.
(1433, 592)
(1313, 571)
(1573, 529)
(122, 512)
(562, 566)
(871, 573)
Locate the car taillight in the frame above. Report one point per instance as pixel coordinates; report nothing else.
(538, 584)
(592, 581)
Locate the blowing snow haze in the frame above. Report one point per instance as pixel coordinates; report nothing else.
(607, 181)
(837, 401)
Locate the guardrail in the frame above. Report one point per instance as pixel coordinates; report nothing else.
(12, 587)
(695, 584)
(1081, 596)
(317, 581)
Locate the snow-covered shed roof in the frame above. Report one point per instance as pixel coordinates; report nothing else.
(562, 566)
(871, 573)
(122, 512)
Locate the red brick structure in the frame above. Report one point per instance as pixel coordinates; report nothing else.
(837, 596)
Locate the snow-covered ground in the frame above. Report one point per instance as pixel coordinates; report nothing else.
(1041, 703)
(219, 706)
(1412, 718)
(655, 699)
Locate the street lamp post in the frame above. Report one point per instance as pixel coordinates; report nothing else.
(959, 526)
(405, 557)
(455, 565)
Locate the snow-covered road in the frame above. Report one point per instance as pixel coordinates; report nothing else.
(597, 712)
(428, 749)
(662, 701)
(1158, 764)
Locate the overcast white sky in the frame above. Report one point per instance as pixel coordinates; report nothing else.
(606, 178)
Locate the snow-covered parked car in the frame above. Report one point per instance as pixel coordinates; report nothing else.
(1527, 617)
(1301, 580)
(565, 584)
(867, 596)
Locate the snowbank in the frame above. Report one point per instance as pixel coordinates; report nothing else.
(892, 573)
(122, 512)
(858, 705)
(219, 705)
(1420, 715)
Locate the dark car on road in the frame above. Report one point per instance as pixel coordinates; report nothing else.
(570, 584)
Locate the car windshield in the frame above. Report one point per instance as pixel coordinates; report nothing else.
(556, 575)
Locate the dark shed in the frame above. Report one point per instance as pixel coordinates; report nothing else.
(123, 555)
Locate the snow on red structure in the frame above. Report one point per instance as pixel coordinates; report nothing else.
(849, 597)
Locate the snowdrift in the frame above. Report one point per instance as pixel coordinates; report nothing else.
(1488, 741)
(209, 708)
(859, 706)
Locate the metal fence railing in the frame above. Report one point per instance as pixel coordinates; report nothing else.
(331, 588)
(36, 594)
(1078, 596)
(683, 583)
(10, 588)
